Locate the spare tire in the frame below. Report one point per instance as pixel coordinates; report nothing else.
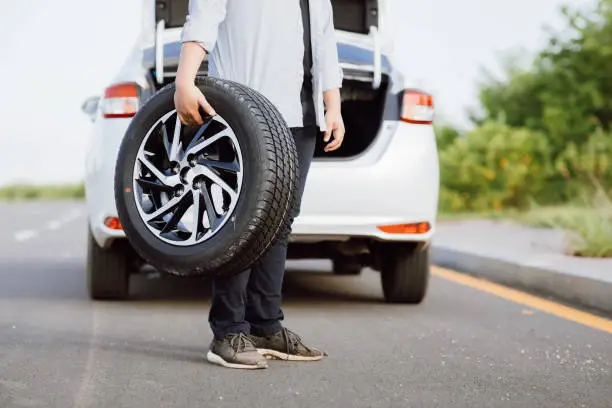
(206, 200)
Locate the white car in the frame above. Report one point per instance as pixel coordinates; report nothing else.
(372, 203)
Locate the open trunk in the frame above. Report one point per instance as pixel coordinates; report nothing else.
(363, 112)
(362, 106)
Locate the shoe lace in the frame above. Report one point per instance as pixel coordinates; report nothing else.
(293, 341)
(241, 342)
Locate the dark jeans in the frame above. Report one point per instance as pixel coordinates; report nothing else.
(250, 302)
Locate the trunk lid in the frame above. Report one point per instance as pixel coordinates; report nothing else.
(356, 16)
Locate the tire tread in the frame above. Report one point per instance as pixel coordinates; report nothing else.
(107, 272)
(276, 197)
(405, 274)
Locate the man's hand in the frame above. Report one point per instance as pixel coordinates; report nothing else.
(333, 120)
(335, 124)
(188, 99)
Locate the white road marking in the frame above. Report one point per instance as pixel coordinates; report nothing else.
(53, 225)
(71, 216)
(24, 235)
(84, 397)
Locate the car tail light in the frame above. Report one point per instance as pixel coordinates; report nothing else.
(120, 101)
(417, 107)
(113, 223)
(414, 228)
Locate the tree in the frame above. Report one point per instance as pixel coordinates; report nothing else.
(567, 92)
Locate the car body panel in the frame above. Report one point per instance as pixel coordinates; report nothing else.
(394, 182)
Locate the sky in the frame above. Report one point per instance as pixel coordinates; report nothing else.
(57, 53)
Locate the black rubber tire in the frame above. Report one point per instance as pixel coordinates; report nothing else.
(347, 266)
(269, 187)
(108, 275)
(405, 274)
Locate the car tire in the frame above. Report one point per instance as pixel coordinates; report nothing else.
(347, 266)
(405, 274)
(108, 275)
(268, 165)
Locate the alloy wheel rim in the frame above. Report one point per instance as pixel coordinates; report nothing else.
(187, 180)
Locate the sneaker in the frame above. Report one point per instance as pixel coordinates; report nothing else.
(235, 351)
(286, 345)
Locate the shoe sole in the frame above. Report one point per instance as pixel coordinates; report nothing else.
(215, 359)
(273, 354)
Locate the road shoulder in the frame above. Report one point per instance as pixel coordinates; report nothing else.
(531, 259)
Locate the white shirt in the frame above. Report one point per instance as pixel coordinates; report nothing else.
(259, 43)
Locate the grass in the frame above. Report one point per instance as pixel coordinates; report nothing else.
(31, 192)
(589, 223)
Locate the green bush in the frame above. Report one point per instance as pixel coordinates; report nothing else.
(544, 138)
(493, 167)
(446, 136)
(565, 93)
(580, 165)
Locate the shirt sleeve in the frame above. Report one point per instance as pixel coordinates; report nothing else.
(331, 70)
(202, 22)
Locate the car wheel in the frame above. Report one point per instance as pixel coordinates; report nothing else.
(108, 274)
(347, 266)
(211, 199)
(405, 274)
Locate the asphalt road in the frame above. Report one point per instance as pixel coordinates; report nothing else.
(461, 348)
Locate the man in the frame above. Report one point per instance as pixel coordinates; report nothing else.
(286, 50)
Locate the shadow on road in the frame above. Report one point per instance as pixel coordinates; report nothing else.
(61, 285)
(80, 339)
(66, 279)
(300, 286)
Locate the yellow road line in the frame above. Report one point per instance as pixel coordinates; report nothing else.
(523, 298)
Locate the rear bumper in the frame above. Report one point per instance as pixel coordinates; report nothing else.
(395, 182)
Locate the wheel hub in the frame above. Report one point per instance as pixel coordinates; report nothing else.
(188, 200)
(188, 175)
